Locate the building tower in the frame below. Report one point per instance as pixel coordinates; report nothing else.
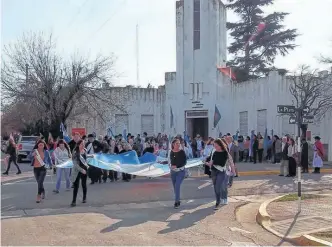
(200, 48)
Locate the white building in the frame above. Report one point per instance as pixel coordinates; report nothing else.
(192, 92)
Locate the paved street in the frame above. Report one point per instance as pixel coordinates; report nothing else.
(141, 211)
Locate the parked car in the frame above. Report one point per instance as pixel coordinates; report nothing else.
(25, 146)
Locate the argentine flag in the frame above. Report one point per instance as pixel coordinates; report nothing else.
(64, 133)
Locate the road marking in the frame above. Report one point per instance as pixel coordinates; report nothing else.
(173, 217)
(235, 229)
(204, 185)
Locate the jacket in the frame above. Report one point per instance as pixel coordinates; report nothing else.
(76, 168)
(285, 151)
(277, 147)
(47, 158)
(60, 156)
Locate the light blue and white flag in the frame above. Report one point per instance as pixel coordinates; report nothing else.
(149, 165)
(64, 133)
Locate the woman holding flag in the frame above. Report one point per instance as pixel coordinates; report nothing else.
(62, 154)
(41, 160)
(79, 172)
(178, 161)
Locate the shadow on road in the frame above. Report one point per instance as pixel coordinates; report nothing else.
(161, 215)
(187, 220)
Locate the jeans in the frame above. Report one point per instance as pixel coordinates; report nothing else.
(220, 183)
(59, 175)
(83, 177)
(40, 174)
(11, 159)
(177, 178)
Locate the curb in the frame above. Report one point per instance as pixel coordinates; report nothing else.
(264, 219)
(262, 173)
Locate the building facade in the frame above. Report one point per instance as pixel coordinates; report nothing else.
(187, 101)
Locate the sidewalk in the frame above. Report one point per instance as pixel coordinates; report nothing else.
(265, 168)
(315, 215)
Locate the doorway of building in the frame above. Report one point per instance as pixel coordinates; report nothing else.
(198, 126)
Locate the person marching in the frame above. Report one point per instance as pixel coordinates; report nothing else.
(40, 160)
(93, 147)
(79, 171)
(11, 151)
(221, 166)
(178, 161)
(62, 154)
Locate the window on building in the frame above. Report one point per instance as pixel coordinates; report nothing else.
(78, 124)
(244, 123)
(261, 121)
(197, 25)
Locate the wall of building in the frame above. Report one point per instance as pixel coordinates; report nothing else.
(133, 102)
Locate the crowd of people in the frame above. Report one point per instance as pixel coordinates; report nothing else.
(218, 155)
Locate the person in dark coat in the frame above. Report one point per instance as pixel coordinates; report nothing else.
(255, 149)
(305, 156)
(93, 147)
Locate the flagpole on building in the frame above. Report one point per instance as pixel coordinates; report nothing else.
(137, 56)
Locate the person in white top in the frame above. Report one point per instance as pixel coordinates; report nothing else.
(62, 154)
(292, 149)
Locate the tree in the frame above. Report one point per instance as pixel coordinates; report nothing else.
(34, 73)
(257, 59)
(312, 90)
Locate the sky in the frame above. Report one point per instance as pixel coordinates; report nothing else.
(109, 27)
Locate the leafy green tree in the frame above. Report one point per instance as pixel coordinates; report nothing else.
(257, 58)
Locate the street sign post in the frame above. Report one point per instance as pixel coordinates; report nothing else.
(286, 109)
(306, 109)
(292, 120)
(307, 120)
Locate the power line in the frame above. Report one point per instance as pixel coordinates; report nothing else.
(74, 17)
(105, 22)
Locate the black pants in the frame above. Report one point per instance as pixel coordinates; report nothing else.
(246, 155)
(40, 174)
(95, 174)
(269, 154)
(254, 155)
(113, 175)
(260, 155)
(105, 175)
(126, 176)
(11, 159)
(292, 167)
(83, 178)
(241, 156)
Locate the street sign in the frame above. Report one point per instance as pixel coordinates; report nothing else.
(308, 116)
(292, 120)
(307, 120)
(306, 109)
(286, 109)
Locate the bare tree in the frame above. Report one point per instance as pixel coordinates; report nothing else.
(313, 91)
(33, 73)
